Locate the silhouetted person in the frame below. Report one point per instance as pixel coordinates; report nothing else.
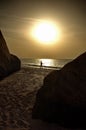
(41, 63)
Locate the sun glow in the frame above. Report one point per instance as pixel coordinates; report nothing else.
(46, 32)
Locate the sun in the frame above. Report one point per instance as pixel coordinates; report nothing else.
(46, 32)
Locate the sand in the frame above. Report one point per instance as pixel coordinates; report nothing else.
(17, 97)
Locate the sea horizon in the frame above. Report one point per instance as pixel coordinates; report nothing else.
(42, 62)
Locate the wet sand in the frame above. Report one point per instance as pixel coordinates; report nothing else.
(17, 97)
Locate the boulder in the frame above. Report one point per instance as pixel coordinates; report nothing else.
(8, 63)
(62, 98)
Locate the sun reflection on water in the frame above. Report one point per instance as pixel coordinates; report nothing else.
(46, 62)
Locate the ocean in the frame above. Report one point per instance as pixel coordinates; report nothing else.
(48, 63)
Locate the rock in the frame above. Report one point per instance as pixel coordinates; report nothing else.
(8, 62)
(62, 98)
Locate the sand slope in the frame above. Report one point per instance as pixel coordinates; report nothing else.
(17, 94)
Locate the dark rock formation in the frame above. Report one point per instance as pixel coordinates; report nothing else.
(8, 62)
(62, 98)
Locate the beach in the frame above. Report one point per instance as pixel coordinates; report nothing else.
(17, 97)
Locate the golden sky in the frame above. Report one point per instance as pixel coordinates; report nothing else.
(18, 17)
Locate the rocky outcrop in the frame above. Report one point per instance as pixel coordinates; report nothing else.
(62, 98)
(8, 62)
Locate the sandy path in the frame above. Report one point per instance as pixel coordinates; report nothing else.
(17, 95)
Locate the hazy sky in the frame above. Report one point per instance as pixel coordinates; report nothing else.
(18, 16)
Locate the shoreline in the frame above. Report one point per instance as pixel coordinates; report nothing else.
(38, 66)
